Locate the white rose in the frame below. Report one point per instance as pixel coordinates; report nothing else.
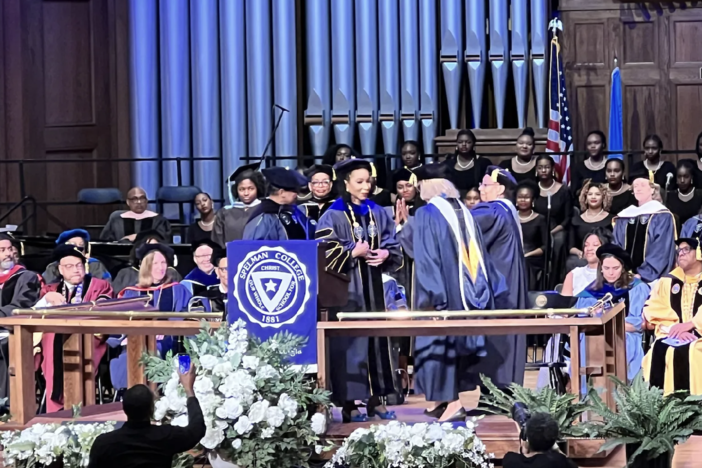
(250, 362)
(275, 416)
(319, 424)
(231, 409)
(208, 361)
(213, 437)
(288, 405)
(160, 409)
(203, 385)
(318, 449)
(257, 412)
(243, 425)
(180, 421)
(267, 433)
(266, 372)
(223, 369)
(236, 444)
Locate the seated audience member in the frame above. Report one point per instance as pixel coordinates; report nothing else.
(465, 168)
(472, 197)
(203, 275)
(647, 233)
(246, 189)
(80, 239)
(697, 163)
(539, 450)
(277, 217)
(594, 206)
(673, 309)
(593, 168)
(201, 229)
(614, 277)
(685, 202)
(692, 226)
(73, 286)
(125, 225)
(155, 280)
(216, 295)
(621, 193)
(580, 277)
(523, 165)
(405, 188)
(129, 276)
(663, 171)
(378, 194)
(138, 443)
(534, 231)
(321, 184)
(558, 197)
(19, 289)
(411, 154)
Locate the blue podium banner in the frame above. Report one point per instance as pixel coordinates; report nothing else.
(273, 288)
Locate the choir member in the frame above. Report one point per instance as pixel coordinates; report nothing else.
(471, 197)
(203, 275)
(411, 154)
(534, 231)
(337, 153)
(619, 190)
(595, 203)
(202, 228)
(523, 165)
(19, 289)
(73, 286)
(647, 233)
(593, 167)
(615, 277)
(246, 188)
(663, 171)
(405, 182)
(579, 277)
(673, 309)
(80, 239)
(155, 280)
(362, 244)
(277, 217)
(321, 183)
(465, 168)
(554, 202)
(129, 276)
(697, 163)
(125, 225)
(501, 232)
(685, 202)
(456, 274)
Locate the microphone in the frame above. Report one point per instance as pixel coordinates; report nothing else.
(281, 107)
(549, 199)
(668, 178)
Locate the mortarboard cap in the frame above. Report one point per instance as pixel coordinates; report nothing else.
(404, 174)
(217, 255)
(347, 166)
(320, 168)
(146, 249)
(15, 243)
(616, 252)
(241, 169)
(502, 176)
(284, 178)
(211, 244)
(67, 250)
(432, 171)
(65, 236)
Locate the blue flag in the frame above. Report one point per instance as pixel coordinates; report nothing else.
(616, 115)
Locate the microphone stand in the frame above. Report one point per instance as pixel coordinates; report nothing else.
(283, 110)
(545, 278)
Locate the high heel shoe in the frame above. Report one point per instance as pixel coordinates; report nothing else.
(458, 416)
(382, 415)
(347, 418)
(436, 412)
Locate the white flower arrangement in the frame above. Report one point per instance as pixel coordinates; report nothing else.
(253, 400)
(399, 445)
(44, 444)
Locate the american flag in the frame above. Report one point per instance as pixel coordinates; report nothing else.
(560, 135)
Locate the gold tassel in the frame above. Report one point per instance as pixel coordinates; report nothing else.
(374, 173)
(494, 175)
(698, 253)
(333, 174)
(650, 177)
(413, 179)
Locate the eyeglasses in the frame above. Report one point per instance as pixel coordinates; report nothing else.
(322, 183)
(202, 257)
(76, 267)
(684, 251)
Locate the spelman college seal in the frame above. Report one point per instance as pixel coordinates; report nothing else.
(271, 286)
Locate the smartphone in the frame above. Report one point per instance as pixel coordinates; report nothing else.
(183, 363)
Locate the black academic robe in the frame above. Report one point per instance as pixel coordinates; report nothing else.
(230, 222)
(316, 207)
(118, 227)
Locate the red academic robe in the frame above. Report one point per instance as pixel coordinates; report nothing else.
(94, 289)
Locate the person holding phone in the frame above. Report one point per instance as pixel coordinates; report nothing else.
(138, 443)
(672, 311)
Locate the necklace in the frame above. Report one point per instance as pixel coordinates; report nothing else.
(531, 216)
(467, 166)
(588, 215)
(592, 167)
(547, 190)
(516, 159)
(658, 166)
(686, 196)
(620, 190)
(204, 224)
(358, 231)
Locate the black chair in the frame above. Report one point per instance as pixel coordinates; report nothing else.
(99, 196)
(179, 195)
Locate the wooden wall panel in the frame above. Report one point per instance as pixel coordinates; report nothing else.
(589, 43)
(687, 41)
(641, 105)
(688, 120)
(68, 97)
(590, 104)
(640, 43)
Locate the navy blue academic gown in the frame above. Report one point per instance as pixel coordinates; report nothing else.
(197, 281)
(450, 280)
(275, 222)
(361, 365)
(506, 354)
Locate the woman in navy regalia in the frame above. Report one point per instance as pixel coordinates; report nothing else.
(362, 244)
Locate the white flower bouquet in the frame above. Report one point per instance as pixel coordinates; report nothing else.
(253, 399)
(400, 445)
(45, 444)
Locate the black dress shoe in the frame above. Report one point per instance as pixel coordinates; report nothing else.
(458, 416)
(436, 412)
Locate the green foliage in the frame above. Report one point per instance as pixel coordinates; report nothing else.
(76, 410)
(644, 416)
(156, 369)
(565, 409)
